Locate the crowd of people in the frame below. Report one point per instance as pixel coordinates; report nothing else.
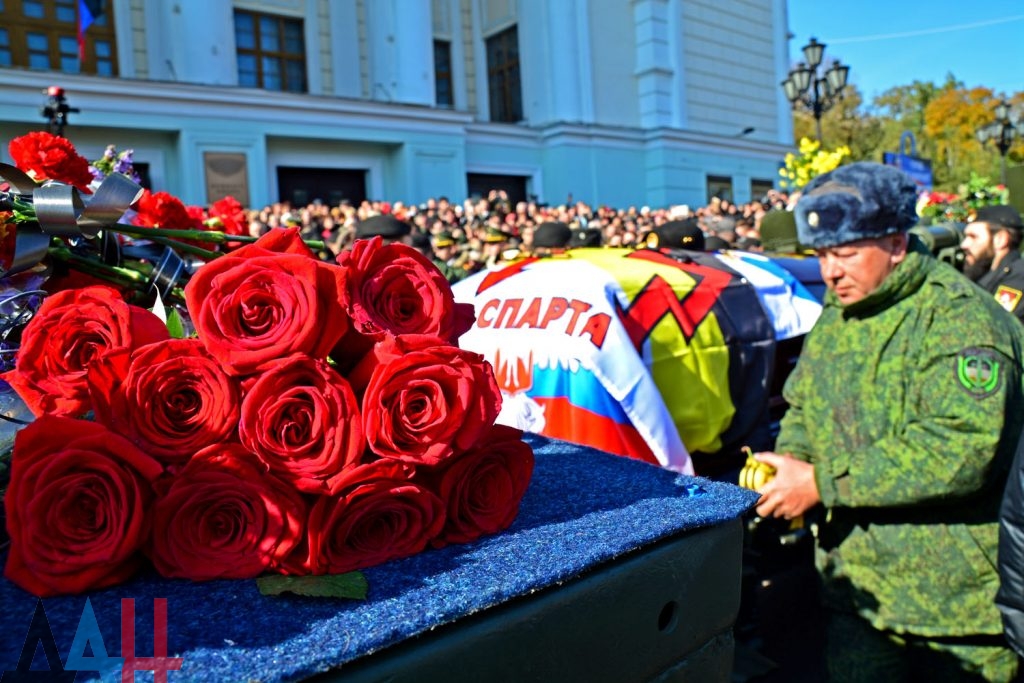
(482, 232)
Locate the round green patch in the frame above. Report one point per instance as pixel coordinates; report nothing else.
(979, 371)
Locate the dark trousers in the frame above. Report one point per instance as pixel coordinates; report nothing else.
(856, 652)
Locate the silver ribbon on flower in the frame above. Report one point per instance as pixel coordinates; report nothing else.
(62, 211)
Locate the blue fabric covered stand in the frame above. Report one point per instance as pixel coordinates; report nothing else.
(586, 516)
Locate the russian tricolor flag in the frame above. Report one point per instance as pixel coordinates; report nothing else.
(88, 12)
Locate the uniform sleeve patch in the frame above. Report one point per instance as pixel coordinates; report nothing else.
(1008, 297)
(979, 371)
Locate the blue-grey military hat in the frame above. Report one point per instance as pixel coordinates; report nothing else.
(854, 202)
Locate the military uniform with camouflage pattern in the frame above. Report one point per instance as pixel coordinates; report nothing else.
(908, 403)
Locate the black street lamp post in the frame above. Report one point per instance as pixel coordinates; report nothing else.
(1001, 133)
(56, 110)
(804, 87)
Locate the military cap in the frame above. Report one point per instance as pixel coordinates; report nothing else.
(678, 234)
(859, 201)
(494, 235)
(552, 234)
(585, 237)
(443, 239)
(778, 231)
(384, 225)
(1001, 215)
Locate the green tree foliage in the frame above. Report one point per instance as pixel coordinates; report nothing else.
(943, 118)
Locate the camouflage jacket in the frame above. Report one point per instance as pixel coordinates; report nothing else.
(909, 405)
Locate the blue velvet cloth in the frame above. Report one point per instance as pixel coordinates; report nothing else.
(583, 508)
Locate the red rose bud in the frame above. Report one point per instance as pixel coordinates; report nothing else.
(224, 516)
(429, 404)
(171, 398)
(384, 517)
(484, 486)
(70, 330)
(252, 310)
(78, 507)
(394, 289)
(302, 418)
(45, 156)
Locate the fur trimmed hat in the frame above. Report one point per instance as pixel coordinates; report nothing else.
(859, 201)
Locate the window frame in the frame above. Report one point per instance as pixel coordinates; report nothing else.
(443, 74)
(504, 80)
(19, 26)
(281, 55)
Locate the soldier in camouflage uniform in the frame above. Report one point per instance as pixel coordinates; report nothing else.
(905, 410)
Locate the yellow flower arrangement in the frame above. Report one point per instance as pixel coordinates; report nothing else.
(811, 161)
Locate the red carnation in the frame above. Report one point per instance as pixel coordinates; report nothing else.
(47, 157)
(163, 210)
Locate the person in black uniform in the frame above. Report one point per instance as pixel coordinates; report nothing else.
(991, 247)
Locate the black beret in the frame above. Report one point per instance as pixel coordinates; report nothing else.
(384, 225)
(855, 202)
(585, 237)
(552, 234)
(420, 241)
(684, 233)
(1002, 215)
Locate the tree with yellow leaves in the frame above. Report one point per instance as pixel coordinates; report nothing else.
(811, 161)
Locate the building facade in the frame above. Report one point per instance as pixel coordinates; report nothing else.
(618, 102)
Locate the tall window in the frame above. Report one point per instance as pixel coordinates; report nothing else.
(271, 52)
(443, 74)
(43, 35)
(503, 76)
(720, 186)
(759, 188)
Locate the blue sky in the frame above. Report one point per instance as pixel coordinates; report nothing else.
(895, 42)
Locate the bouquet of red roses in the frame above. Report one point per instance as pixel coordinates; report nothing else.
(323, 420)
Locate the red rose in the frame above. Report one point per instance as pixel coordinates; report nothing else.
(69, 331)
(47, 157)
(77, 506)
(276, 241)
(302, 419)
(163, 210)
(428, 400)
(171, 398)
(381, 518)
(224, 516)
(483, 487)
(394, 289)
(251, 309)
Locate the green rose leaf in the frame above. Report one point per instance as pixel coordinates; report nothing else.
(175, 327)
(352, 585)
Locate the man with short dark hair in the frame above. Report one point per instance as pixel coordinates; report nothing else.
(991, 247)
(905, 409)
